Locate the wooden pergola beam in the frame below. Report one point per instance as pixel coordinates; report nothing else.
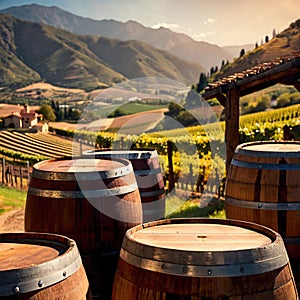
(228, 95)
(248, 85)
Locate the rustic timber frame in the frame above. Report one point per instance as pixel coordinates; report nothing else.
(228, 90)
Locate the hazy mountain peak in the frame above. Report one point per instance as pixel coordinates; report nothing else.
(31, 51)
(162, 38)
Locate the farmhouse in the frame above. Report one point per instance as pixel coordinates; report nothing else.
(25, 118)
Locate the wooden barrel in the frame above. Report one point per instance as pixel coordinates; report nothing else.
(263, 186)
(148, 175)
(93, 201)
(41, 266)
(200, 258)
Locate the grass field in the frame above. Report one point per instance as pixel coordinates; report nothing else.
(11, 198)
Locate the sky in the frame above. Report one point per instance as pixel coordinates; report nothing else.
(220, 22)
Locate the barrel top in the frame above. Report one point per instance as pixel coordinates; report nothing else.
(123, 153)
(79, 165)
(201, 237)
(273, 147)
(20, 256)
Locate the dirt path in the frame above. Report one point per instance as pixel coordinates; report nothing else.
(12, 221)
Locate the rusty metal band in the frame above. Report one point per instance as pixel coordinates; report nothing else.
(291, 240)
(20, 281)
(254, 267)
(263, 205)
(152, 193)
(147, 172)
(83, 193)
(73, 176)
(264, 166)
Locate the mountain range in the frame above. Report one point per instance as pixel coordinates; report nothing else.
(71, 51)
(34, 52)
(179, 44)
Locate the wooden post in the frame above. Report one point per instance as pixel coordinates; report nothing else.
(28, 172)
(231, 123)
(191, 177)
(11, 175)
(170, 160)
(21, 178)
(3, 170)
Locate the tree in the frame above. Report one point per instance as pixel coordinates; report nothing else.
(283, 100)
(174, 109)
(202, 84)
(267, 39)
(74, 114)
(242, 53)
(58, 112)
(295, 97)
(274, 33)
(47, 111)
(116, 113)
(264, 103)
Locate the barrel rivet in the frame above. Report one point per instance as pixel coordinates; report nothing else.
(242, 270)
(16, 290)
(40, 283)
(209, 272)
(163, 266)
(259, 205)
(64, 273)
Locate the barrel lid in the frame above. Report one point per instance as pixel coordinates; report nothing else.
(123, 153)
(19, 256)
(81, 168)
(201, 237)
(270, 149)
(79, 165)
(32, 261)
(202, 247)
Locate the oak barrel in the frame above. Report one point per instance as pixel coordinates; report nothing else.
(263, 186)
(41, 266)
(200, 258)
(93, 201)
(148, 175)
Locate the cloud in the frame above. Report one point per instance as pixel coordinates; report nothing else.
(202, 35)
(209, 20)
(165, 25)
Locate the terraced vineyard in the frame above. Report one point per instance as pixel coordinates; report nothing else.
(35, 146)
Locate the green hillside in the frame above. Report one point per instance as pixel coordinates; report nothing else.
(12, 69)
(33, 52)
(138, 59)
(284, 43)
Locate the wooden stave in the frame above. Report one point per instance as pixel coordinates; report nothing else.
(242, 203)
(91, 248)
(141, 160)
(160, 282)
